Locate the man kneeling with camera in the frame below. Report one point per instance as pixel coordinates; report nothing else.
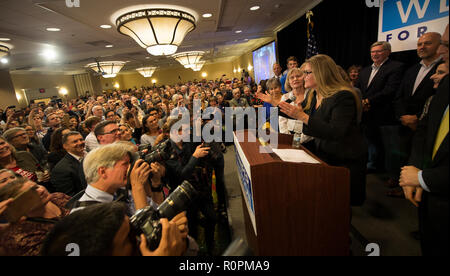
(112, 229)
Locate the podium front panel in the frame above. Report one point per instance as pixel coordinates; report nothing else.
(293, 208)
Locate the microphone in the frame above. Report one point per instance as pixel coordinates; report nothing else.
(291, 99)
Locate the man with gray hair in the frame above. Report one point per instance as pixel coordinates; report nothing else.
(106, 171)
(379, 84)
(237, 101)
(98, 112)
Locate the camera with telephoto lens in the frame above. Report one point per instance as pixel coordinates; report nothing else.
(149, 154)
(146, 220)
(159, 153)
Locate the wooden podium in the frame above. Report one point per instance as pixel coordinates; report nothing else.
(292, 209)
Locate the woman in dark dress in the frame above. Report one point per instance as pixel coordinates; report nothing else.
(334, 125)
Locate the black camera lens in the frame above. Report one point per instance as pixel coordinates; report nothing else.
(177, 201)
(146, 220)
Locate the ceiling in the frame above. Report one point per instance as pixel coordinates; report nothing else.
(81, 40)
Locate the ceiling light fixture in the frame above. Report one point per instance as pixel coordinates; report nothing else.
(254, 8)
(5, 39)
(207, 15)
(159, 30)
(105, 26)
(4, 60)
(198, 66)
(108, 69)
(109, 46)
(146, 72)
(189, 59)
(4, 50)
(239, 31)
(53, 29)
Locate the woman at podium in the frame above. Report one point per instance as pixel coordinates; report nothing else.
(334, 124)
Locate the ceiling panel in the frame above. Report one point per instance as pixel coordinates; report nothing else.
(24, 21)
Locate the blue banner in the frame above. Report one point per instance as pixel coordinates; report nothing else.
(401, 13)
(403, 22)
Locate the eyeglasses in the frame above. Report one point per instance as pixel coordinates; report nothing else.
(307, 72)
(114, 131)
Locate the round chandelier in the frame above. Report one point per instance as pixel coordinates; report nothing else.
(4, 50)
(198, 66)
(159, 30)
(146, 72)
(189, 59)
(108, 69)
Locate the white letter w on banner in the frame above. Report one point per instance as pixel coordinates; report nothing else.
(419, 10)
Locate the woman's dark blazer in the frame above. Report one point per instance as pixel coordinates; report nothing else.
(336, 130)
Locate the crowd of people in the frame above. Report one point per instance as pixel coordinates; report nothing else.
(80, 156)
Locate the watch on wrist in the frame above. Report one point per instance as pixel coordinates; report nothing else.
(157, 189)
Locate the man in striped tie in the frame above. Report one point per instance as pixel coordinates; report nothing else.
(425, 181)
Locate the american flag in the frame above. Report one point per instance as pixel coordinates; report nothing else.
(312, 49)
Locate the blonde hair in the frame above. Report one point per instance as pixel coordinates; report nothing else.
(105, 156)
(329, 80)
(287, 86)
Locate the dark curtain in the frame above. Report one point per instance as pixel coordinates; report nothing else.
(344, 30)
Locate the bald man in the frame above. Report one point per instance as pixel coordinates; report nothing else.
(425, 181)
(415, 89)
(417, 86)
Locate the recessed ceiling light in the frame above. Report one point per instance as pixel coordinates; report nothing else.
(5, 39)
(109, 46)
(239, 31)
(105, 26)
(254, 8)
(53, 29)
(207, 15)
(49, 54)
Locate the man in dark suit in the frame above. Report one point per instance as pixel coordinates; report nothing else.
(67, 176)
(54, 122)
(378, 84)
(416, 88)
(277, 71)
(426, 181)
